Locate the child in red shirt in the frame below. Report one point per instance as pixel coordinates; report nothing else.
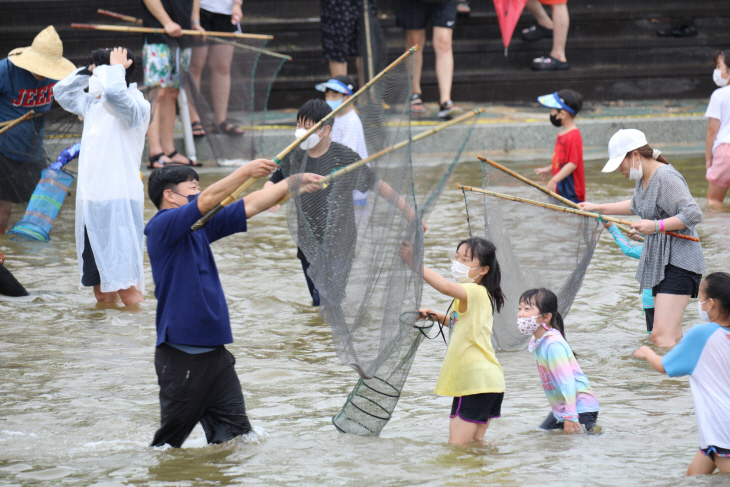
(568, 179)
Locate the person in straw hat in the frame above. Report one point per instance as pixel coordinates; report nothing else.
(27, 77)
(671, 267)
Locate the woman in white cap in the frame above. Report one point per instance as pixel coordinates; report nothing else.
(671, 267)
(27, 77)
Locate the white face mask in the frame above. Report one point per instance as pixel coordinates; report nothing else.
(718, 79)
(460, 272)
(95, 87)
(704, 317)
(308, 143)
(528, 326)
(634, 173)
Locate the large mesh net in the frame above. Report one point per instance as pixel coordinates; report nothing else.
(227, 84)
(350, 241)
(536, 248)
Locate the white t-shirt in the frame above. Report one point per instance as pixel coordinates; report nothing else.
(719, 108)
(347, 130)
(704, 355)
(224, 7)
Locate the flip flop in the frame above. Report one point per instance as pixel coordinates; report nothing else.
(548, 63)
(189, 163)
(536, 32)
(198, 127)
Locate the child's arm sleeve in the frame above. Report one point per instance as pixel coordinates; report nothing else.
(633, 251)
(683, 358)
(132, 110)
(69, 93)
(559, 364)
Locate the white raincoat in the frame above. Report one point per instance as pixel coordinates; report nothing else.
(110, 193)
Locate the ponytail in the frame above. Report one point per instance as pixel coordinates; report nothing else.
(546, 302)
(486, 253)
(649, 153)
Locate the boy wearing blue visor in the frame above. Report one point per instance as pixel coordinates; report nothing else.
(568, 179)
(347, 129)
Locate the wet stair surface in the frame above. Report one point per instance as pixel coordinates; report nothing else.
(613, 47)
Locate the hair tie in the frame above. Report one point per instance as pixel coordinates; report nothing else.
(656, 153)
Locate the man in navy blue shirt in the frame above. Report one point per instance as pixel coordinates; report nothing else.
(195, 371)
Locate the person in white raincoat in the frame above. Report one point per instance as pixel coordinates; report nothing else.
(110, 193)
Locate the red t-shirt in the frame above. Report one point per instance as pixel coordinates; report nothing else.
(569, 148)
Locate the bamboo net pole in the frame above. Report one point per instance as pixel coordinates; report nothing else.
(12, 123)
(161, 31)
(563, 209)
(135, 20)
(281, 155)
(543, 189)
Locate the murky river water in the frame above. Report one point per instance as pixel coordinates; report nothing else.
(78, 392)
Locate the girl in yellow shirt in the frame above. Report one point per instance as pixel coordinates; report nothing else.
(470, 372)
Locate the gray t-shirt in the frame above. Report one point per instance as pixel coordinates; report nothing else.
(667, 195)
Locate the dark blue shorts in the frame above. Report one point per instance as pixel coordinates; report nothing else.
(478, 408)
(415, 14)
(678, 281)
(711, 451)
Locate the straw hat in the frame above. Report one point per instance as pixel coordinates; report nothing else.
(44, 57)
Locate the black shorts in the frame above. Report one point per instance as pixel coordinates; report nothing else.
(18, 179)
(198, 388)
(415, 14)
(340, 24)
(649, 315)
(586, 419)
(478, 408)
(216, 22)
(711, 451)
(90, 273)
(678, 281)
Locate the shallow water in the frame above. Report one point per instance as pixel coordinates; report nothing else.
(78, 392)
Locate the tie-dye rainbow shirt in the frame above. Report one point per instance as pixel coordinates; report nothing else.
(566, 386)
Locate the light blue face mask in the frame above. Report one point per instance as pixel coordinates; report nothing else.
(334, 103)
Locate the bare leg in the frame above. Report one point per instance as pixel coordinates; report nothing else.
(701, 465)
(166, 114)
(668, 314)
(444, 61)
(561, 21)
(715, 195)
(130, 296)
(462, 432)
(219, 60)
(5, 208)
(538, 11)
(101, 297)
(153, 131)
(417, 37)
(338, 69)
(197, 63)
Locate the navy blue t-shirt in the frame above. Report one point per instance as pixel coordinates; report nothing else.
(20, 93)
(191, 306)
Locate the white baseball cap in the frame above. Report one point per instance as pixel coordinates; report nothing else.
(623, 142)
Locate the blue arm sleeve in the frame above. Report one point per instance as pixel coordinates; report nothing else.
(630, 250)
(683, 358)
(230, 220)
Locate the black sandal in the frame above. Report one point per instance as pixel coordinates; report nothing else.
(189, 163)
(198, 127)
(536, 32)
(230, 129)
(156, 159)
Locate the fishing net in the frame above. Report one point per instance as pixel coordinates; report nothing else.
(536, 247)
(367, 295)
(227, 81)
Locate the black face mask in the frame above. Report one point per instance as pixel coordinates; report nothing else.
(555, 120)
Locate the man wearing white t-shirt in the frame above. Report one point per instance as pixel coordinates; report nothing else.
(717, 146)
(347, 129)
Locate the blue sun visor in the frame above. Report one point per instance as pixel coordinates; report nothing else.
(554, 101)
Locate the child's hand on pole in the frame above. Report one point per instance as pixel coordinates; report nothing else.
(119, 56)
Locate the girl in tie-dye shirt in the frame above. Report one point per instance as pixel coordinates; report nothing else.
(566, 386)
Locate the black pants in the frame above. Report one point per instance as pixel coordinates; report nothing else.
(198, 388)
(586, 419)
(310, 284)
